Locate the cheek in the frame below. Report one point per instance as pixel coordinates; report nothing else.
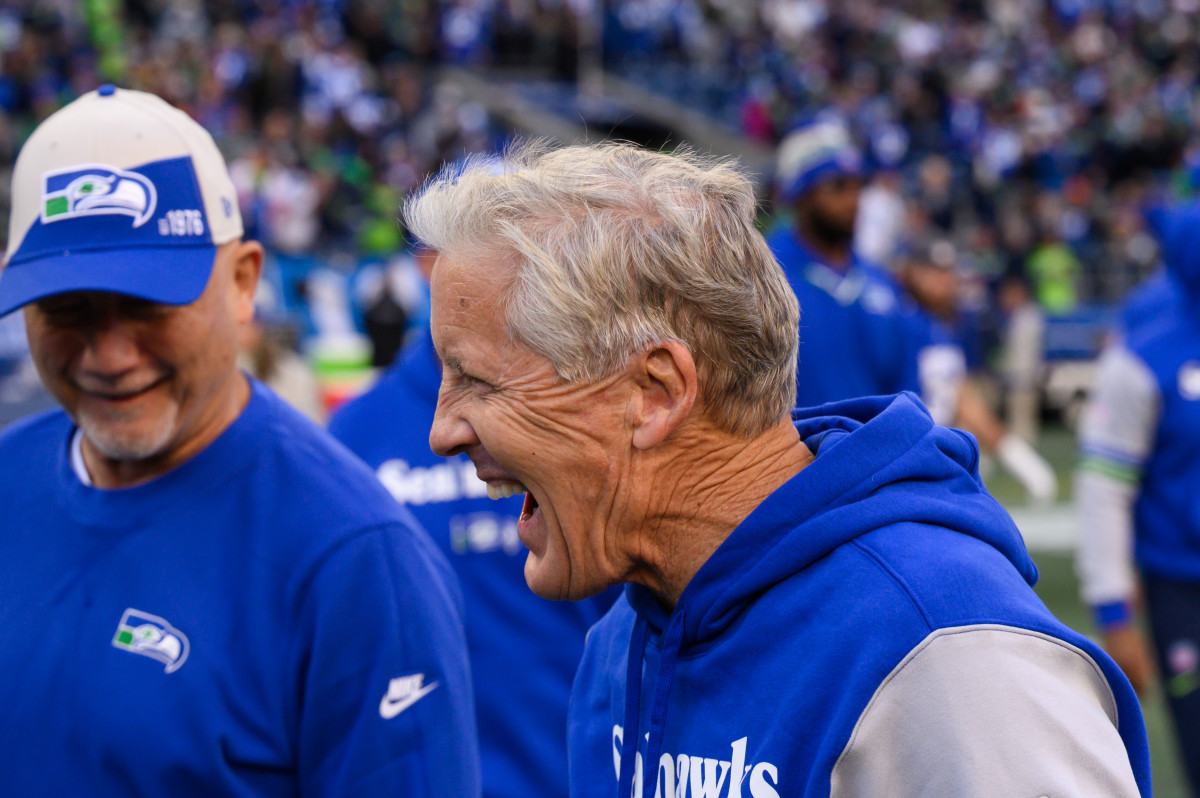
(51, 350)
(199, 350)
(501, 431)
(212, 362)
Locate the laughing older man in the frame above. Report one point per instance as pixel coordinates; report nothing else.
(201, 594)
(819, 603)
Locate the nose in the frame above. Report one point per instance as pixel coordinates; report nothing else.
(450, 434)
(111, 349)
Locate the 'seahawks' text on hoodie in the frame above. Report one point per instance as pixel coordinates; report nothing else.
(869, 630)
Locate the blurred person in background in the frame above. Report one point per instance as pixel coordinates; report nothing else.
(929, 271)
(392, 294)
(1136, 490)
(524, 650)
(882, 216)
(1157, 294)
(1055, 272)
(268, 353)
(387, 301)
(225, 602)
(1023, 355)
(860, 335)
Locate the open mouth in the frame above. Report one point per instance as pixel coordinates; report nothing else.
(499, 489)
(529, 507)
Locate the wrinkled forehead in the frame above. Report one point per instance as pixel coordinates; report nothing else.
(468, 280)
(467, 294)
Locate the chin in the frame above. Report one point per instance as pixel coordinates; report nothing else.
(543, 585)
(546, 583)
(127, 444)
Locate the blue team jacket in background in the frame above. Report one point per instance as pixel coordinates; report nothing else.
(753, 685)
(859, 335)
(1167, 511)
(263, 620)
(524, 649)
(1162, 328)
(1143, 304)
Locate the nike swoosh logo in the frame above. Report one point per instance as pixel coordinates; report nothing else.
(389, 709)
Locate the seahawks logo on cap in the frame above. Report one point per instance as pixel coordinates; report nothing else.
(96, 190)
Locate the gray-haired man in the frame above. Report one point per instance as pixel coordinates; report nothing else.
(818, 603)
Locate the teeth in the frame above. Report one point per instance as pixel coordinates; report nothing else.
(503, 490)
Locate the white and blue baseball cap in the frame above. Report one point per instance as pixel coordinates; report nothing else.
(813, 154)
(118, 191)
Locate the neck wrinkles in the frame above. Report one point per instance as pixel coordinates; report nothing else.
(697, 493)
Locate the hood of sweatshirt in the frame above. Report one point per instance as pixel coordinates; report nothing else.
(879, 461)
(1179, 233)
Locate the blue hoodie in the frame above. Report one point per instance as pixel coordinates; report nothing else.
(1181, 251)
(524, 650)
(1176, 287)
(1155, 295)
(869, 629)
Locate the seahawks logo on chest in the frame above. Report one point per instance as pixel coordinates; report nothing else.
(151, 636)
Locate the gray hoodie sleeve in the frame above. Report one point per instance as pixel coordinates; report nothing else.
(986, 711)
(1116, 434)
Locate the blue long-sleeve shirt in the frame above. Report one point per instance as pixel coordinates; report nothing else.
(263, 620)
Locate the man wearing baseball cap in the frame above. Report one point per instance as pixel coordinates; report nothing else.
(201, 593)
(858, 334)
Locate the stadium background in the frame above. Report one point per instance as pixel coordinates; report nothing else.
(1030, 133)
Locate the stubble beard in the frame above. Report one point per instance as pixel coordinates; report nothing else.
(828, 231)
(108, 438)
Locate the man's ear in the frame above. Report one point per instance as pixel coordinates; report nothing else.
(665, 392)
(247, 265)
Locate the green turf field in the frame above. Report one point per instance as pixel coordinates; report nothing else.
(1058, 588)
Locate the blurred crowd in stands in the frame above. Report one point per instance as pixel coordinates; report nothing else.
(1031, 135)
(328, 114)
(1033, 132)
(325, 111)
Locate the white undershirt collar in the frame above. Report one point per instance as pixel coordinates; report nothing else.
(77, 464)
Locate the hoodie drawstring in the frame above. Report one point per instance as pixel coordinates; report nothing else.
(658, 708)
(633, 692)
